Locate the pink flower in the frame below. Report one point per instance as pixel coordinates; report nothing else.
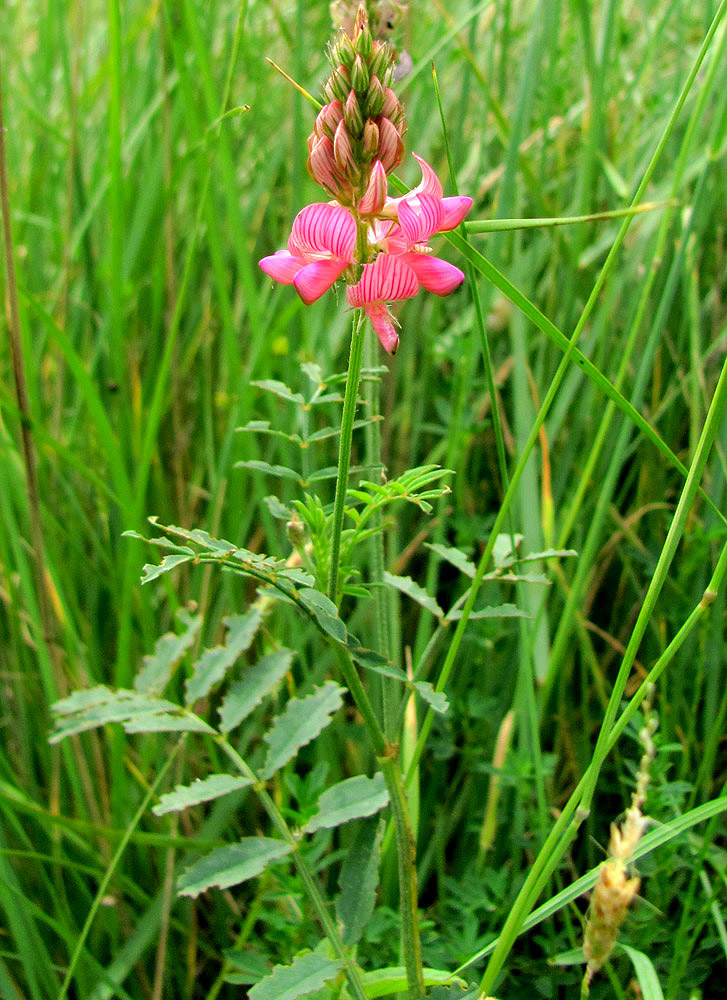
(452, 210)
(386, 280)
(320, 248)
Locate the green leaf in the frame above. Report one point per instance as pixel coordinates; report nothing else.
(307, 974)
(369, 658)
(383, 982)
(358, 881)
(158, 667)
(166, 723)
(302, 720)
(435, 699)
(279, 389)
(151, 571)
(163, 543)
(232, 864)
(501, 611)
(324, 611)
(407, 586)
(201, 790)
(456, 558)
(350, 799)
(260, 680)
(281, 471)
(503, 551)
(213, 664)
(197, 535)
(250, 967)
(645, 973)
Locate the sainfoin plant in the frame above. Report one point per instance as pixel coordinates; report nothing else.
(368, 246)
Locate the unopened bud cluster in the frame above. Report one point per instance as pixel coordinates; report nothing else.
(357, 137)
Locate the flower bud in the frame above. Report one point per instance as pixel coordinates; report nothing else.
(340, 83)
(381, 59)
(323, 169)
(391, 148)
(374, 197)
(375, 97)
(359, 75)
(328, 118)
(342, 149)
(370, 140)
(343, 52)
(364, 43)
(352, 115)
(391, 104)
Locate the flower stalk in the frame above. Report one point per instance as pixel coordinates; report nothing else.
(344, 453)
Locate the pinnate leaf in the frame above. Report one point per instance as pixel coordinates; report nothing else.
(350, 799)
(213, 664)
(260, 680)
(232, 864)
(307, 974)
(201, 790)
(301, 721)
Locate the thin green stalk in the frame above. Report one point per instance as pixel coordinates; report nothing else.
(382, 625)
(344, 454)
(408, 890)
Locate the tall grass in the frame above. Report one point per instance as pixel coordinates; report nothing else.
(153, 156)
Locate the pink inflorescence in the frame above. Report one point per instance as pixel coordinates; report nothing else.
(377, 244)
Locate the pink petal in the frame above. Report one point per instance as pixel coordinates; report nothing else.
(454, 210)
(316, 278)
(386, 280)
(282, 266)
(430, 183)
(383, 326)
(321, 228)
(433, 274)
(419, 217)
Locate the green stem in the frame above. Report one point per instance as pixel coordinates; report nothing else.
(408, 890)
(344, 454)
(383, 630)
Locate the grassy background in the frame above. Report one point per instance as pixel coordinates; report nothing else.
(138, 216)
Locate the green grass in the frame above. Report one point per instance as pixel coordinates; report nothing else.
(153, 156)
